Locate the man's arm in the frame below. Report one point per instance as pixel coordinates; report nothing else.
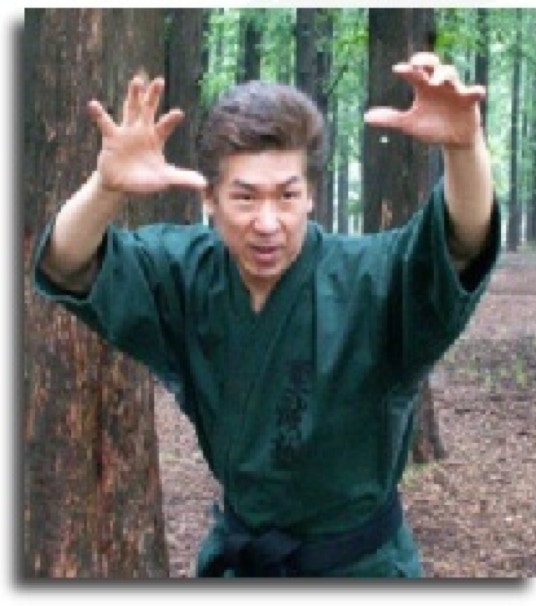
(446, 112)
(131, 162)
(469, 198)
(70, 259)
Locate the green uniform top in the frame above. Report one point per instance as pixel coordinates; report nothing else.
(304, 410)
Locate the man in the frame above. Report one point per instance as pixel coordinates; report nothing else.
(296, 354)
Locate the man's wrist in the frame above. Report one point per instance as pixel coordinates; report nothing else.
(474, 145)
(102, 191)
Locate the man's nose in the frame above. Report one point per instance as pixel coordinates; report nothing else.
(267, 220)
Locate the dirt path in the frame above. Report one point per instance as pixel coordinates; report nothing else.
(474, 513)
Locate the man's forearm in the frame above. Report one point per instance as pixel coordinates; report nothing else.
(469, 198)
(71, 256)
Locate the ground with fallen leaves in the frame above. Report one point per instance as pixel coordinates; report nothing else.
(473, 513)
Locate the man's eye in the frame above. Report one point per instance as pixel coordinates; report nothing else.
(291, 195)
(242, 200)
(242, 197)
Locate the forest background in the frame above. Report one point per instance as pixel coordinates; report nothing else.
(92, 492)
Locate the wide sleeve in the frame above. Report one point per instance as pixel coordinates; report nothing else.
(429, 302)
(136, 302)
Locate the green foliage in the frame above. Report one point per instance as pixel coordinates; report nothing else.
(222, 39)
(278, 44)
(456, 29)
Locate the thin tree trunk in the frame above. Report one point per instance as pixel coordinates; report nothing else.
(482, 60)
(531, 202)
(514, 214)
(427, 443)
(314, 34)
(249, 58)
(324, 45)
(343, 186)
(306, 50)
(185, 65)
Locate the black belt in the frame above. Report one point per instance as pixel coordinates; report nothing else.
(275, 553)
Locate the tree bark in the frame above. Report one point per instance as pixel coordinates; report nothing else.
(249, 59)
(513, 232)
(324, 45)
(401, 161)
(305, 50)
(427, 443)
(531, 202)
(398, 169)
(482, 60)
(314, 38)
(343, 178)
(92, 496)
(184, 76)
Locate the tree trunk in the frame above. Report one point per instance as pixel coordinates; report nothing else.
(427, 443)
(324, 58)
(514, 214)
(185, 72)
(482, 59)
(92, 497)
(402, 162)
(314, 39)
(531, 205)
(249, 57)
(397, 169)
(343, 181)
(531, 201)
(306, 50)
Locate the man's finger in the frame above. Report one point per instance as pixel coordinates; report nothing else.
(476, 92)
(385, 117)
(132, 104)
(151, 99)
(425, 60)
(473, 94)
(101, 118)
(168, 123)
(412, 75)
(445, 74)
(181, 177)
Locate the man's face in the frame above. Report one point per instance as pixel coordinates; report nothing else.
(260, 206)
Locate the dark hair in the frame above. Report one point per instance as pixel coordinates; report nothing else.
(258, 116)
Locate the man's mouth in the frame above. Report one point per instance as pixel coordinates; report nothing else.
(265, 254)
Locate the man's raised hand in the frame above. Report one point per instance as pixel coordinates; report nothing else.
(444, 111)
(132, 159)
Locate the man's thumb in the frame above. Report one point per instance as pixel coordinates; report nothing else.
(384, 116)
